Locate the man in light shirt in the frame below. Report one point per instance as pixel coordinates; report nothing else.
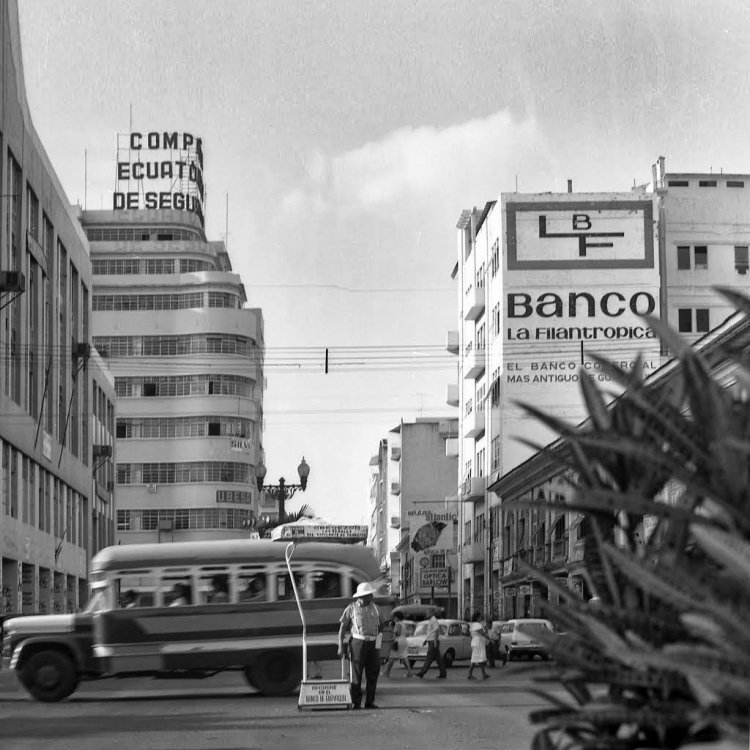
(432, 639)
(362, 619)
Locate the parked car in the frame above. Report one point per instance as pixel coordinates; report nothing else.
(520, 638)
(455, 641)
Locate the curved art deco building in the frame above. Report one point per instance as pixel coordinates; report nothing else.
(168, 317)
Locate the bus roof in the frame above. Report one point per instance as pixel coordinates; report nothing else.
(230, 551)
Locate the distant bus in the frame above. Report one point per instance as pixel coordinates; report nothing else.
(193, 609)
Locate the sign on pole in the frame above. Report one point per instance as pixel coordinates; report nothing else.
(437, 577)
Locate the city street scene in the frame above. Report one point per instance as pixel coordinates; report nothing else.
(374, 371)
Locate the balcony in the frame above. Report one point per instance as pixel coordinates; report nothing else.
(473, 302)
(475, 363)
(452, 342)
(559, 548)
(474, 552)
(474, 424)
(451, 394)
(395, 488)
(451, 448)
(395, 522)
(395, 453)
(473, 489)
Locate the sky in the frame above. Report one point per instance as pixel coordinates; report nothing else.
(343, 138)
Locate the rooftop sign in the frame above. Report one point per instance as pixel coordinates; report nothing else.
(322, 532)
(159, 170)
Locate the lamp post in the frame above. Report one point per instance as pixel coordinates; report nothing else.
(282, 491)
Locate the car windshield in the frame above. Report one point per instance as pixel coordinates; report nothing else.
(421, 628)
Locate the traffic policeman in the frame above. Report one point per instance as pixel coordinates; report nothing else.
(362, 619)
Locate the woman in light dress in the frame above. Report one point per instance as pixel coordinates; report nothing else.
(479, 641)
(398, 650)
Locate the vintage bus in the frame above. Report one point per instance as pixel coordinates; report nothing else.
(193, 609)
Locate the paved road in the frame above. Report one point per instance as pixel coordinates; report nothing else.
(222, 713)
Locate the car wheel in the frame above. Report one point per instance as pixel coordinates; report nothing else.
(448, 658)
(49, 676)
(276, 673)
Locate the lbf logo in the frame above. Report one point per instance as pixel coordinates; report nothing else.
(580, 234)
(581, 223)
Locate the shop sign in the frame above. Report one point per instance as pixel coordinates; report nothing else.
(437, 577)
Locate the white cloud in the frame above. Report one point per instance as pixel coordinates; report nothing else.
(470, 161)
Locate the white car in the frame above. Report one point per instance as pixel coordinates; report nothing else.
(455, 641)
(519, 638)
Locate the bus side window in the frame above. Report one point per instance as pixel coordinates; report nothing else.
(137, 590)
(326, 585)
(284, 590)
(213, 588)
(252, 587)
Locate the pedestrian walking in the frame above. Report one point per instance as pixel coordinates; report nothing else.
(399, 648)
(491, 648)
(362, 620)
(479, 641)
(432, 640)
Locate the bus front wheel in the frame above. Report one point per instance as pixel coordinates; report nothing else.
(275, 673)
(49, 676)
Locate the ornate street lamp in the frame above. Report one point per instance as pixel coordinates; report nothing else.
(282, 491)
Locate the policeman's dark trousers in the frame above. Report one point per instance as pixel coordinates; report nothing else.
(433, 654)
(365, 658)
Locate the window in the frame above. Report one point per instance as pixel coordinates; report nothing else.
(678, 183)
(700, 258)
(701, 320)
(689, 323)
(495, 262)
(735, 184)
(740, 259)
(706, 183)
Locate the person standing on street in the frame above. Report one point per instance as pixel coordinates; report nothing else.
(479, 641)
(399, 647)
(432, 639)
(361, 618)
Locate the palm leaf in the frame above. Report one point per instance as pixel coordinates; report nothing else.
(727, 549)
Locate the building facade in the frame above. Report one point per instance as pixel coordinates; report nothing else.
(187, 360)
(548, 282)
(52, 391)
(414, 520)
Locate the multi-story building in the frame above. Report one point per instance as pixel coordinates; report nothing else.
(187, 359)
(548, 282)
(414, 519)
(52, 391)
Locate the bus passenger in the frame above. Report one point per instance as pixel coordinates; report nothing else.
(255, 591)
(129, 599)
(182, 595)
(219, 593)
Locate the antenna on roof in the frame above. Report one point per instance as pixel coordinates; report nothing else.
(226, 227)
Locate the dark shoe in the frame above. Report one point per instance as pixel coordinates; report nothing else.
(371, 705)
(420, 675)
(356, 706)
(441, 676)
(485, 677)
(471, 677)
